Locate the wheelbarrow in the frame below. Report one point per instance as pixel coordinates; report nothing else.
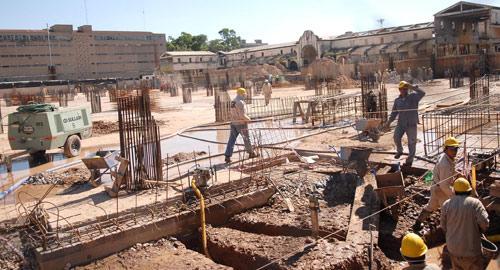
(390, 189)
(99, 164)
(368, 128)
(354, 158)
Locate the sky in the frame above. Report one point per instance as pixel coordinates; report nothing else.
(273, 21)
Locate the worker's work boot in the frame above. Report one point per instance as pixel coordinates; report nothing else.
(398, 155)
(253, 155)
(227, 159)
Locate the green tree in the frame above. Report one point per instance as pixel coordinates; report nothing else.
(215, 45)
(187, 42)
(230, 40)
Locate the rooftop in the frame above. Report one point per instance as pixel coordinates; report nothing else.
(384, 30)
(187, 53)
(260, 48)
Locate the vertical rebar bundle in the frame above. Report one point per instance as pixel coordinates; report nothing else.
(479, 87)
(139, 141)
(1, 122)
(456, 79)
(374, 100)
(95, 101)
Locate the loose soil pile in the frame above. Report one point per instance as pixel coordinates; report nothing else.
(183, 156)
(11, 256)
(335, 195)
(104, 127)
(107, 127)
(74, 175)
(243, 250)
(162, 254)
(392, 231)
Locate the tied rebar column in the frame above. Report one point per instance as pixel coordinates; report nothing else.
(139, 141)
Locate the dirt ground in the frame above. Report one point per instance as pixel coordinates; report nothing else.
(173, 115)
(262, 235)
(161, 254)
(335, 196)
(245, 250)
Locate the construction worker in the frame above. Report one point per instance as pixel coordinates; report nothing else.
(239, 125)
(267, 90)
(443, 175)
(406, 106)
(464, 219)
(413, 250)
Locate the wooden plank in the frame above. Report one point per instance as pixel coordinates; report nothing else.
(365, 203)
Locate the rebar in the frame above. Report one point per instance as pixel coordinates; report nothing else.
(477, 119)
(139, 141)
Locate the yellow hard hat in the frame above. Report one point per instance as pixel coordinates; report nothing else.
(461, 185)
(403, 84)
(241, 91)
(413, 246)
(451, 141)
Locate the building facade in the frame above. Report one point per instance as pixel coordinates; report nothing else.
(463, 34)
(62, 53)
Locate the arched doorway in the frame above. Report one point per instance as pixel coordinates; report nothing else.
(292, 65)
(309, 54)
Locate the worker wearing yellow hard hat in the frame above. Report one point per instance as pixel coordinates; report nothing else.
(239, 125)
(241, 91)
(443, 176)
(413, 250)
(464, 219)
(405, 107)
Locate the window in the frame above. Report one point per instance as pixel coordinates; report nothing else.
(415, 36)
(453, 25)
(464, 27)
(262, 54)
(178, 60)
(473, 27)
(281, 51)
(381, 40)
(441, 23)
(201, 59)
(210, 59)
(190, 60)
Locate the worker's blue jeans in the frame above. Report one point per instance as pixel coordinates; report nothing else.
(237, 129)
(411, 134)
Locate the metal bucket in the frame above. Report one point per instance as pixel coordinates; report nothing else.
(490, 250)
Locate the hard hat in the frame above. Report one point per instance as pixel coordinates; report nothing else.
(266, 81)
(403, 85)
(451, 141)
(413, 246)
(241, 91)
(461, 185)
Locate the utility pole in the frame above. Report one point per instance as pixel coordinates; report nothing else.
(86, 15)
(50, 49)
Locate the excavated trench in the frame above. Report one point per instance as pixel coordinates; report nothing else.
(273, 236)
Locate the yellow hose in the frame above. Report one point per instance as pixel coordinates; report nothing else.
(202, 217)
